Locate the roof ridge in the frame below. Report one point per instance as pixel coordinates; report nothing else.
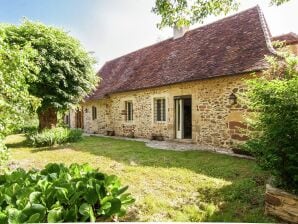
(266, 31)
(190, 31)
(284, 34)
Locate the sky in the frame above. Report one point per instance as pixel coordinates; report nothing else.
(112, 28)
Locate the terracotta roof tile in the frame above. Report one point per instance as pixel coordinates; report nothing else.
(233, 45)
(289, 38)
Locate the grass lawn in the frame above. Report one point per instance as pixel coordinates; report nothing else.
(167, 185)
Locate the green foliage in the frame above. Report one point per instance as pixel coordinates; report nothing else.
(58, 193)
(62, 73)
(186, 12)
(274, 98)
(66, 73)
(29, 125)
(4, 156)
(241, 150)
(16, 70)
(278, 2)
(170, 185)
(50, 137)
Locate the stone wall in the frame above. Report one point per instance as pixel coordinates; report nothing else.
(281, 204)
(215, 122)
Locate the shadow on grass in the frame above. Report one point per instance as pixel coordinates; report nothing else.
(20, 142)
(241, 201)
(23, 142)
(202, 162)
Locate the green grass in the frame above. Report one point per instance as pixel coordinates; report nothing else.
(167, 185)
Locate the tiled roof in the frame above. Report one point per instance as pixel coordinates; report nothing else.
(233, 45)
(289, 38)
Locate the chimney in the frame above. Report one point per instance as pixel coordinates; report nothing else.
(179, 31)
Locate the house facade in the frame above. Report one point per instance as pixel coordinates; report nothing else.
(185, 88)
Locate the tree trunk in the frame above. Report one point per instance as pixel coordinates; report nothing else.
(47, 118)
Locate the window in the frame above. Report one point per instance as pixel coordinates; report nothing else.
(94, 113)
(160, 109)
(129, 110)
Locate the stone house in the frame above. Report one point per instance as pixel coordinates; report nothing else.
(183, 88)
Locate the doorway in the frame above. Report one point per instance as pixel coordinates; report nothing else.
(79, 119)
(183, 117)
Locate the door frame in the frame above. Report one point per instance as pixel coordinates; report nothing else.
(79, 118)
(180, 134)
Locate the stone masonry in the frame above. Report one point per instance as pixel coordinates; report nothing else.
(281, 204)
(215, 122)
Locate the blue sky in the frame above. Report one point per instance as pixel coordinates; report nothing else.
(111, 28)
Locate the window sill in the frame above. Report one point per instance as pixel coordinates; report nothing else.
(160, 122)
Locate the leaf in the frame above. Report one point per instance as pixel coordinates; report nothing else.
(33, 209)
(111, 180)
(61, 194)
(34, 197)
(34, 218)
(115, 206)
(55, 215)
(127, 199)
(86, 210)
(3, 217)
(122, 190)
(91, 196)
(14, 216)
(71, 215)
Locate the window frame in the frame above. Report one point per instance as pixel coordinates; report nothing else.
(94, 113)
(160, 114)
(129, 111)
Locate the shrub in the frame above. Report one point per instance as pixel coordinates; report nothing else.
(242, 151)
(4, 156)
(274, 98)
(28, 126)
(28, 129)
(58, 193)
(50, 137)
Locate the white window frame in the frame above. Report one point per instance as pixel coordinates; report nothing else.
(94, 113)
(163, 110)
(129, 117)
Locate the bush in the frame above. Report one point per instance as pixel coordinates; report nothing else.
(29, 129)
(4, 156)
(50, 137)
(58, 193)
(274, 98)
(242, 151)
(28, 126)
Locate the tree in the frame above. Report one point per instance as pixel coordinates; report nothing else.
(186, 12)
(274, 98)
(65, 70)
(16, 69)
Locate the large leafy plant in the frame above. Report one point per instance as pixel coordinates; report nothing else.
(58, 193)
